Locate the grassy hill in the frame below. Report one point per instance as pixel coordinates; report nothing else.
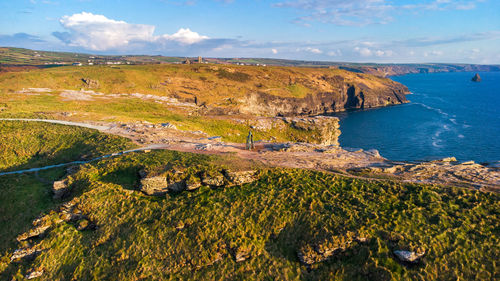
(256, 230)
(193, 97)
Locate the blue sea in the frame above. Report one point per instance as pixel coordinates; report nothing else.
(448, 115)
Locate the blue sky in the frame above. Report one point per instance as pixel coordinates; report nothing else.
(397, 31)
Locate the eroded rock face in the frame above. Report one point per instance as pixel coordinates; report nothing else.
(40, 228)
(345, 96)
(177, 181)
(156, 185)
(327, 128)
(25, 254)
(322, 130)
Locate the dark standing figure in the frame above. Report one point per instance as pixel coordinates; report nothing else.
(250, 145)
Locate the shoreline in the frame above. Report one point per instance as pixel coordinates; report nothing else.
(350, 162)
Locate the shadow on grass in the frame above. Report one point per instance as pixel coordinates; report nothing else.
(354, 263)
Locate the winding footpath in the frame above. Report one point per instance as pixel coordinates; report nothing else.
(335, 160)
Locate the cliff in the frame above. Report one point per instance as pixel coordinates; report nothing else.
(342, 96)
(205, 89)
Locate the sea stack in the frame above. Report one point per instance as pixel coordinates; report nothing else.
(476, 78)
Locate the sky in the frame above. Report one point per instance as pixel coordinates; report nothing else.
(383, 31)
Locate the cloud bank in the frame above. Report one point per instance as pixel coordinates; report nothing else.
(98, 33)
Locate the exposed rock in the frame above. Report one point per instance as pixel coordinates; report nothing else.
(177, 186)
(40, 228)
(446, 171)
(319, 252)
(91, 83)
(213, 181)
(193, 183)
(327, 128)
(241, 177)
(156, 185)
(240, 254)
(476, 78)
(85, 224)
(407, 256)
(60, 189)
(339, 95)
(69, 212)
(32, 274)
(25, 254)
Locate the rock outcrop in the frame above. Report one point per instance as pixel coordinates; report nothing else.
(60, 188)
(408, 256)
(326, 128)
(40, 228)
(322, 130)
(476, 78)
(177, 180)
(32, 274)
(24, 254)
(344, 96)
(447, 171)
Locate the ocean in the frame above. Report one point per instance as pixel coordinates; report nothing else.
(448, 115)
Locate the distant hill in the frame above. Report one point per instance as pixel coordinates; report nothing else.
(13, 58)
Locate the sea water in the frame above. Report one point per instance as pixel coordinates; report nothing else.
(448, 115)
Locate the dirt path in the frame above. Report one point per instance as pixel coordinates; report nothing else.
(368, 165)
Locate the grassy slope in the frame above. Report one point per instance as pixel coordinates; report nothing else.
(209, 83)
(28, 145)
(138, 237)
(35, 144)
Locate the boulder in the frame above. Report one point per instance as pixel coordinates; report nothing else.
(476, 78)
(408, 256)
(60, 189)
(25, 254)
(156, 185)
(32, 274)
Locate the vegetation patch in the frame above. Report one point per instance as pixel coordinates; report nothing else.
(288, 225)
(233, 75)
(36, 144)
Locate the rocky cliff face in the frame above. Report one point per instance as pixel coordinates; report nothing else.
(342, 96)
(323, 130)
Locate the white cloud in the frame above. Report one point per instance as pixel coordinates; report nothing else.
(310, 50)
(98, 33)
(274, 51)
(185, 36)
(365, 52)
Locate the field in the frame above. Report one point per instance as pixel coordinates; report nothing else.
(265, 225)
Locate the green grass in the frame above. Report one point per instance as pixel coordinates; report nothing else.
(35, 144)
(138, 237)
